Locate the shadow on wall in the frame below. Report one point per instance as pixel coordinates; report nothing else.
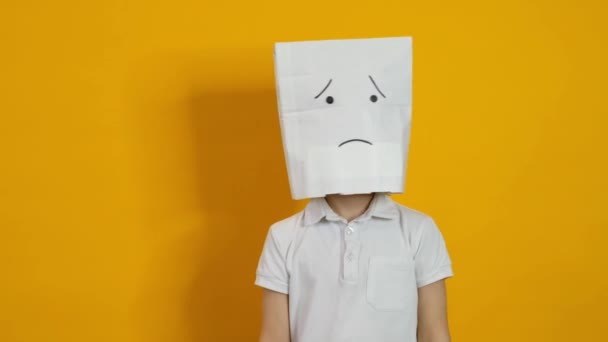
(213, 179)
(243, 189)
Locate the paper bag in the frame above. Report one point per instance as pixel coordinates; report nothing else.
(345, 114)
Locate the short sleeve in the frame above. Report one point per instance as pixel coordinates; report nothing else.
(432, 260)
(272, 272)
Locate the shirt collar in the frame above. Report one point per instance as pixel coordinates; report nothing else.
(381, 206)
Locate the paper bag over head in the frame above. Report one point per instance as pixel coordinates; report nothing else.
(345, 114)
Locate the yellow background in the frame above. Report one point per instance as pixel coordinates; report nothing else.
(141, 162)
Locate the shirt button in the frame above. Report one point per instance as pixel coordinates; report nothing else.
(350, 256)
(349, 230)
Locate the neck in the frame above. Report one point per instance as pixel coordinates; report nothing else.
(349, 206)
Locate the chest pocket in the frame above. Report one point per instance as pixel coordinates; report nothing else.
(391, 283)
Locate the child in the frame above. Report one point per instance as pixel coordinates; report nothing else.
(353, 266)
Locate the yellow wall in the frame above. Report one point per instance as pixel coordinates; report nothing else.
(141, 162)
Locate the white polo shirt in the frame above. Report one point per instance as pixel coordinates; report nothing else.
(357, 281)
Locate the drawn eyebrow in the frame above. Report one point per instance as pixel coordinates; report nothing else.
(322, 91)
(378, 89)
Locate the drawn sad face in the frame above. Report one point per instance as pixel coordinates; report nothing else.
(345, 109)
(373, 98)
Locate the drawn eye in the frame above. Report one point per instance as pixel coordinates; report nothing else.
(374, 98)
(328, 99)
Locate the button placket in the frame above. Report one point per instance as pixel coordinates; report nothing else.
(351, 253)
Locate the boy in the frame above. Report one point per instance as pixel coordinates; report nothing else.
(354, 265)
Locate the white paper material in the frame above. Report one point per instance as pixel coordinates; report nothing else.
(345, 113)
